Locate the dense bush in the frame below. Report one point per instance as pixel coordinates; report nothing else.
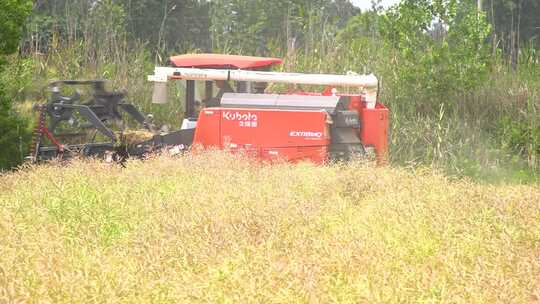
(441, 48)
(13, 133)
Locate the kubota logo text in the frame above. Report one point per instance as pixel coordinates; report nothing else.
(239, 116)
(305, 134)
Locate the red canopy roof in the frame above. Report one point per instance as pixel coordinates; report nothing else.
(218, 61)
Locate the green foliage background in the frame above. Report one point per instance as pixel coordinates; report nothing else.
(13, 133)
(462, 97)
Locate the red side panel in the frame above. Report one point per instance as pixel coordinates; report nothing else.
(274, 128)
(286, 134)
(208, 131)
(267, 133)
(315, 154)
(374, 131)
(220, 61)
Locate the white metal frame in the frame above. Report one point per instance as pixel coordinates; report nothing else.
(368, 84)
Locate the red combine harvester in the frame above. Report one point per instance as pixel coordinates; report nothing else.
(242, 116)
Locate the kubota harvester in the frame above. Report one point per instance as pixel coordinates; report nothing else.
(237, 112)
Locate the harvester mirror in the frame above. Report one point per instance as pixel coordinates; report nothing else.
(160, 93)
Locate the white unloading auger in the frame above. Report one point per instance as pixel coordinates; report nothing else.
(368, 84)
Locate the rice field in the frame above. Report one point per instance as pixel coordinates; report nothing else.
(218, 228)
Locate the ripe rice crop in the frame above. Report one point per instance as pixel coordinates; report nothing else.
(218, 228)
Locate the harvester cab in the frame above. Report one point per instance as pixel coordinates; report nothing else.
(297, 125)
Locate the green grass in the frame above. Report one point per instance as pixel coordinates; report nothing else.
(216, 228)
